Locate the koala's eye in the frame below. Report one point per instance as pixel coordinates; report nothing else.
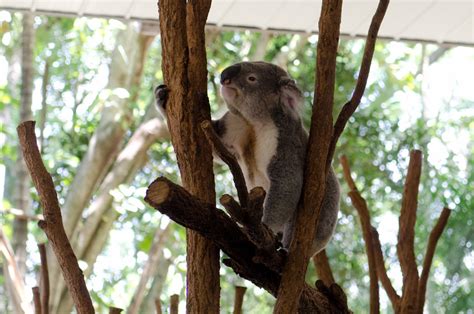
(251, 78)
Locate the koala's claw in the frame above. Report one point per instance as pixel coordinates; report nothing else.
(161, 95)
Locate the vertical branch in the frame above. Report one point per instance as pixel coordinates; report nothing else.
(174, 304)
(433, 240)
(44, 279)
(158, 306)
(185, 72)
(364, 216)
(36, 300)
(350, 107)
(406, 232)
(319, 139)
(53, 224)
(382, 272)
(239, 299)
(323, 268)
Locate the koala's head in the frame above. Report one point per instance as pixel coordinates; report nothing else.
(255, 89)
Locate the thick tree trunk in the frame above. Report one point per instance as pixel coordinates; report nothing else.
(184, 69)
(22, 199)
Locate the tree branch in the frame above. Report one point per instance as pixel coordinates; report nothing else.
(361, 206)
(323, 268)
(430, 250)
(53, 224)
(174, 303)
(316, 159)
(350, 107)
(382, 272)
(229, 159)
(190, 212)
(44, 279)
(406, 231)
(36, 300)
(239, 299)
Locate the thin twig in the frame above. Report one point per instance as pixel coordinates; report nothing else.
(382, 272)
(350, 107)
(36, 300)
(430, 250)
(229, 159)
(53, 224)
(361, 206)
(323, 268)
(44, 279)
(158, 306)
(239, 299)
(346, 171)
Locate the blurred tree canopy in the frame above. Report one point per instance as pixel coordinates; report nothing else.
(411, 102)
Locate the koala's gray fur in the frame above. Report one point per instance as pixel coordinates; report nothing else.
(263, 129)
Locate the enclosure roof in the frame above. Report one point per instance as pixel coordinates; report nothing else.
(439, 21)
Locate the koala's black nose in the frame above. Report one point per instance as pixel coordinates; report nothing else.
(229, 73)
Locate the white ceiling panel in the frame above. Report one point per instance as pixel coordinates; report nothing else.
(440, 21)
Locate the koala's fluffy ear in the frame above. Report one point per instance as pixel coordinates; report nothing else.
(290, 96)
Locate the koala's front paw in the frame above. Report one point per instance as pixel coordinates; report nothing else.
(161, 96)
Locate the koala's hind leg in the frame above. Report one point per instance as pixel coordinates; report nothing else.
(327, 218)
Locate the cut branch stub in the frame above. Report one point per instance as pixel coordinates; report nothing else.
(190, 212)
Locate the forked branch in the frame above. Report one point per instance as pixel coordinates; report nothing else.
(350, 107)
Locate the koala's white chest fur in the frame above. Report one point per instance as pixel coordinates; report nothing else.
(254, 146)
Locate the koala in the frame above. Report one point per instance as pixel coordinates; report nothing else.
(264, 130)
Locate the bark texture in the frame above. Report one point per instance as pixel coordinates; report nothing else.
(191, 212)
(52, 223)
(184, 70)
(316, 159)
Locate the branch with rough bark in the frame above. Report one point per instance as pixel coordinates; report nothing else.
(184, 68)
(185, 209)
(322, 142)
(414, 288)
(52, 224)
